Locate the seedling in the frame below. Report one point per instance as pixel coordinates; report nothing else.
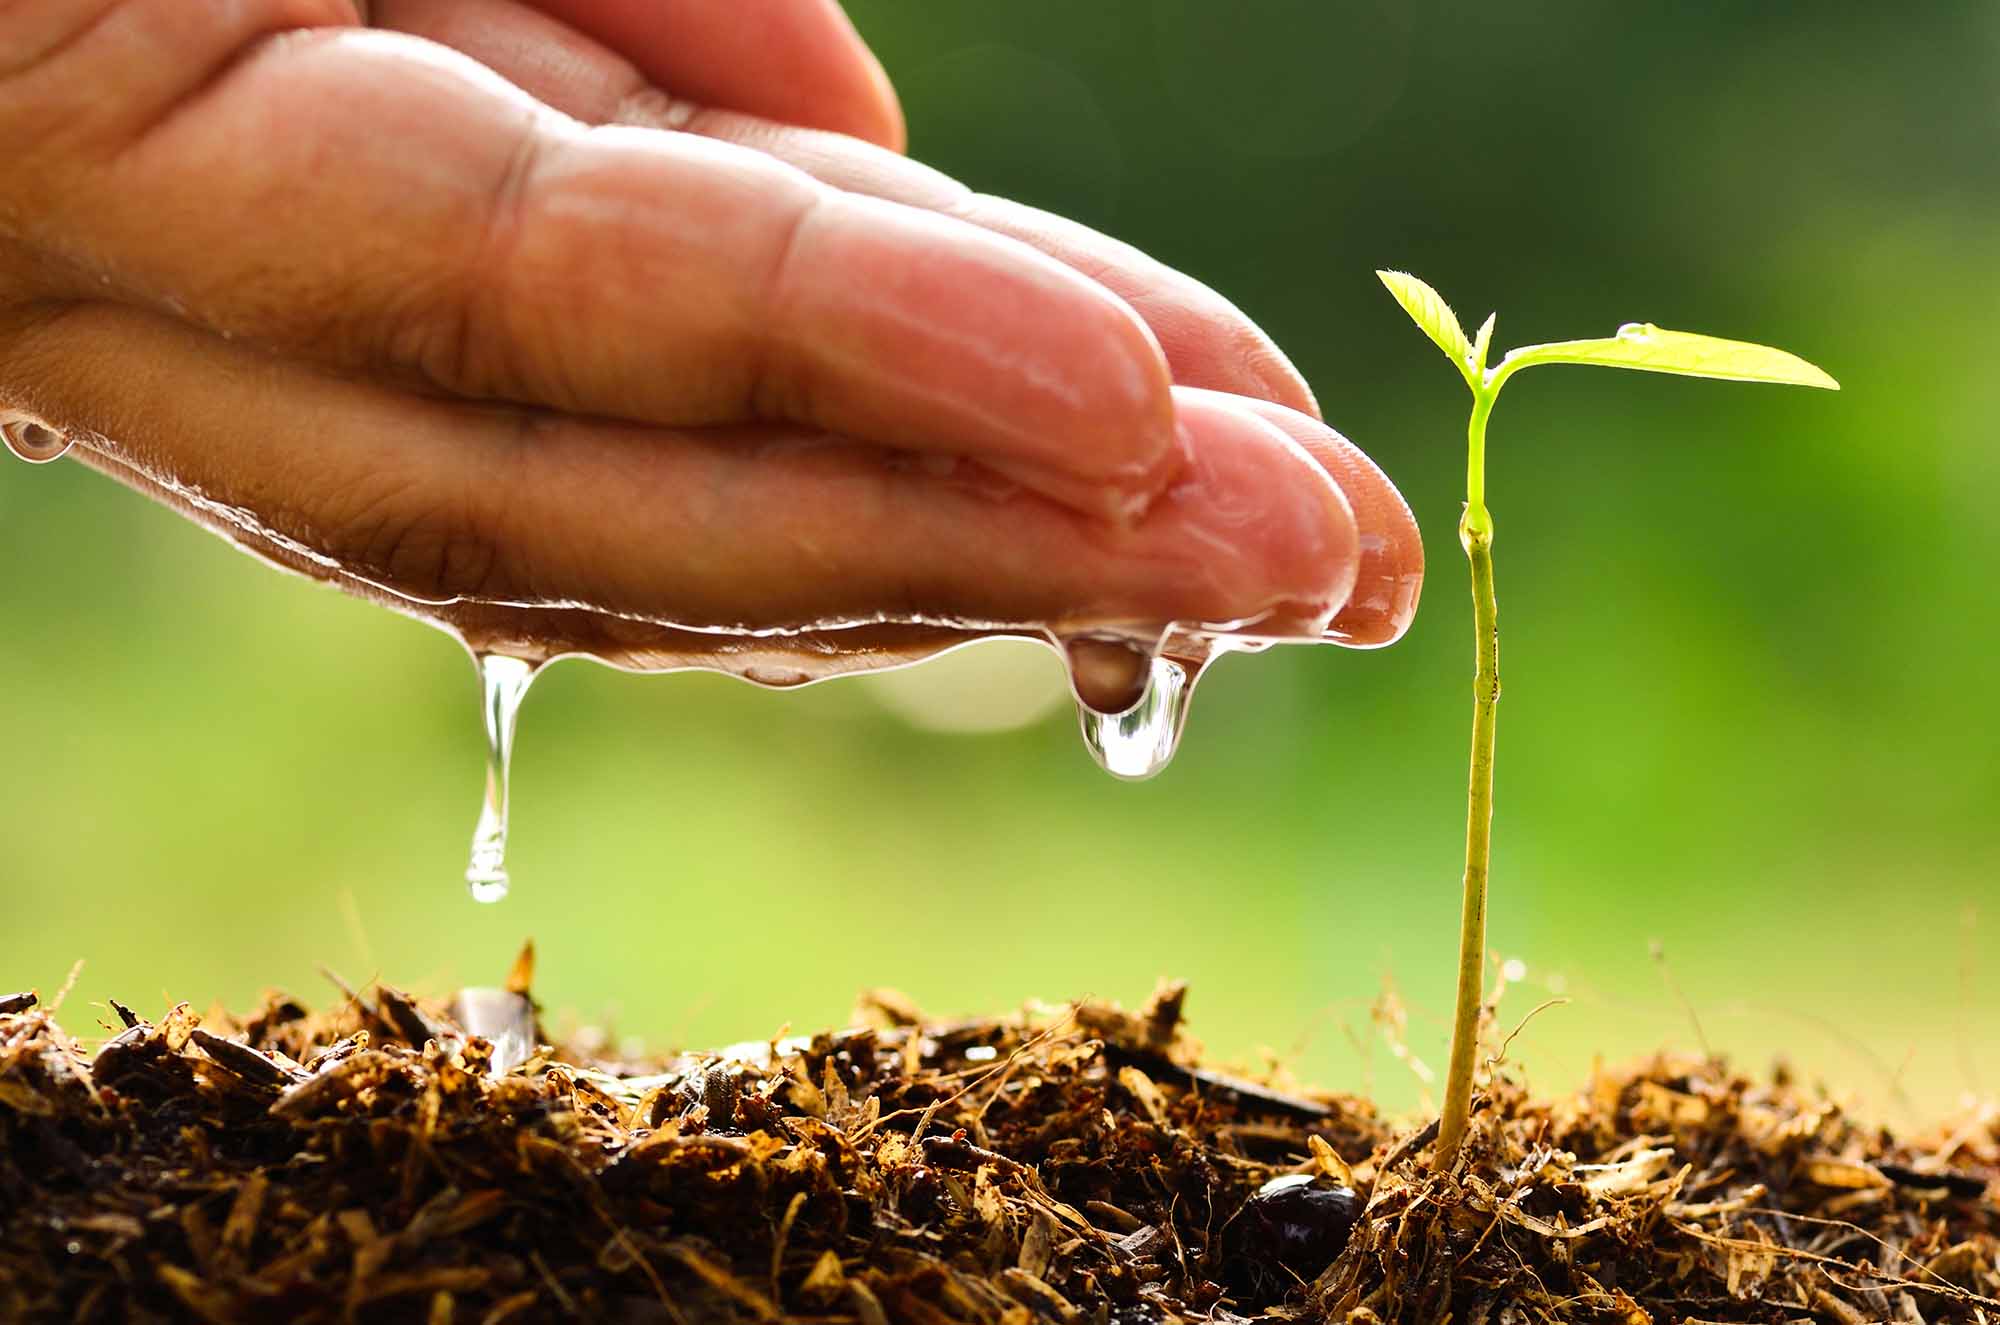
(1637, 345)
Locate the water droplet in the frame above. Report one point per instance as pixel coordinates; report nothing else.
(503, 683)
(1639, 331)
(1106, 674)
(1138, 741)
(33, 442)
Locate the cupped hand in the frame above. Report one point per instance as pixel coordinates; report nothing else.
(621, 327)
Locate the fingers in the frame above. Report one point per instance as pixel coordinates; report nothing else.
(378, 202)
(1207, 341)
(746, 529)
(1390, 574)
(794, 61)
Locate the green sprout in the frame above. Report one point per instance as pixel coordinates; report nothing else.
(1637, 345)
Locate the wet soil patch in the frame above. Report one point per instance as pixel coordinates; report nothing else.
(394, 1158)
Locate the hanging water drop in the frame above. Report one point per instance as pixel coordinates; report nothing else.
(503, 683)
(33, 442)
(1136, 742)
(1105, 673)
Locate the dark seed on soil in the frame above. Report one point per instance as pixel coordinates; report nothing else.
(1965, 1186)
(1253, 1097)
(253, 1067)
(718, 1096)
(401, 1013)
(124, 1054)
(1289, 1230)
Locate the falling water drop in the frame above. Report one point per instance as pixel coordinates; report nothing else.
(503, 683)
(1137, 741)
(33, 442)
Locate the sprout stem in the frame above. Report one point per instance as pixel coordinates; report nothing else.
(1475, 533)
(1639, 346)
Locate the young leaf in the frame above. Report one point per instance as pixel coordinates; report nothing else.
(1429, 311)
(1648, 348)
(1482, 342)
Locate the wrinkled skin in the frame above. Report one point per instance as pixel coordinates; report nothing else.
(562, 323)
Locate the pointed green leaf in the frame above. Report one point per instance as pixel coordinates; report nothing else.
(1429, 311)
(1482, 342)
(1648, 348)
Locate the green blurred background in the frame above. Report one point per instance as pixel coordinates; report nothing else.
(1750, 635)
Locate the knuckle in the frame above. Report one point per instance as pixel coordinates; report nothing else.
(86, 83)
(421, 543)
(472, 329)
(65, 53)
(503, 218)
(777, 384)
(34, 30)
(42, 108)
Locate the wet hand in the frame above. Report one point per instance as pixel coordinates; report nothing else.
(555, 322)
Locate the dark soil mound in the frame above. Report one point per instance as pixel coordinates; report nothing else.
(397, 1160)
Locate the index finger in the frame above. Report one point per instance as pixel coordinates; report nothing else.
(794, 61)
(411, 213)
(1208, 341)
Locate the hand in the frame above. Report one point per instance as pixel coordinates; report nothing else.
(412, 312)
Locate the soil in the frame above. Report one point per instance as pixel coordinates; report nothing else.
(392, 1158)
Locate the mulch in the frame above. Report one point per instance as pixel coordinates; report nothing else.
(391, 1158)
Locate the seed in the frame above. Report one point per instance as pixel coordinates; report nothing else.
(1290, 1230)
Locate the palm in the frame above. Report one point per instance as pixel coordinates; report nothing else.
(384, 307)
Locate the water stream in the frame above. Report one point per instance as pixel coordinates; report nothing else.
(503, 684)
(1132, 689)
(1153, 687)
